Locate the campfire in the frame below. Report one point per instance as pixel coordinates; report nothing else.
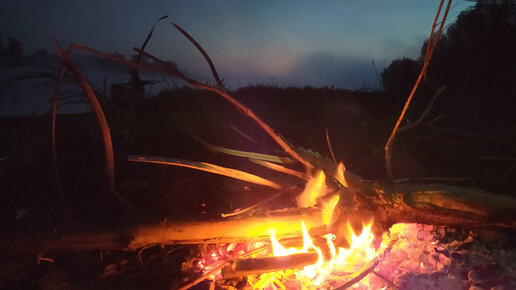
(347, 258)
(322, 227)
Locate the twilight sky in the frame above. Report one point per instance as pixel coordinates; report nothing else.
(285, 42)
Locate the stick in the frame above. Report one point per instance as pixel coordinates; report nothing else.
(218, 268)
(59, 185)
(256, 266)
(356, 277)
(329, 146)
(428, 56)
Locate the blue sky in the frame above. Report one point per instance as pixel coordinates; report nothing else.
(282, 42)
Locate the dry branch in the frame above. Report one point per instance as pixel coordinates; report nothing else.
(101, 119)
(435, 204)
(132, 235)
(256, 266)
(241, 107)
(97, 109)
(432, 43)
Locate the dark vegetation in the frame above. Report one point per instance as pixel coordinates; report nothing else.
(468, 138)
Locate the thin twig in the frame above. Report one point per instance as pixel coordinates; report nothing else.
(138, 57)
(203, 52)
(425, 112)
(204, 276)
(142, 249)
(429, 44)
(329, 146)
(381, 276)
(59, 185)
(219, 267)
(368, 268)
(224, 215)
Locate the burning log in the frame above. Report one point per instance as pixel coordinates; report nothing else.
(256, 266)
(132, 237)
(435, 204)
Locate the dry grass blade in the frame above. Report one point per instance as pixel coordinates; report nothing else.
(203, 52)
(203, 166)
(240, 153)
(280, 168)
(149, 37)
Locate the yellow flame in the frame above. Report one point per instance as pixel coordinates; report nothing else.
(341, 260)
(350, 260)
(314, 189)
(339, 174)
(328, 209)
(361, 248)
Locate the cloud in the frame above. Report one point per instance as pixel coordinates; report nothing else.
(323, 69)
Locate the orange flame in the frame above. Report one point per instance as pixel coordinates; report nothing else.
(339, 174)
(341, 260)
(314, 189)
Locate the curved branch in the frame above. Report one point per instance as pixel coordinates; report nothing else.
(169, 70)
(101, 119)
(203, 52)
(241, 107)
(425, 112)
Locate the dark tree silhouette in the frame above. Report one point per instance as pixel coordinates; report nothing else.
(478, 52)
(400, 75)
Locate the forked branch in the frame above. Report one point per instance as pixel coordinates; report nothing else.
(432, 43)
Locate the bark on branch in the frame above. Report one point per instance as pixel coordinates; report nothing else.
(435, 204)
(133, 235)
